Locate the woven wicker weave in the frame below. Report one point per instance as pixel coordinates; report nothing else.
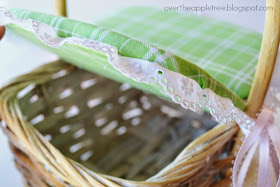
(67, 126)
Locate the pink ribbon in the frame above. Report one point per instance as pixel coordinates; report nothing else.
(265, 135)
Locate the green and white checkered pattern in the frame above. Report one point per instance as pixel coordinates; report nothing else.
(227, 52)
(190, 45)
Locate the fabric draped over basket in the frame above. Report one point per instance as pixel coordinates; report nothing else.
(184, 64)
(179, 58)
(142, 73)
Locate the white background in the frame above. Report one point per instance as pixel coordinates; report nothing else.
(18, 56)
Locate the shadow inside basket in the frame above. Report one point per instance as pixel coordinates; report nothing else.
(110, 127)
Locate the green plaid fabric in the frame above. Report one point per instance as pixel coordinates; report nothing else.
(158, 33)
(227, 52)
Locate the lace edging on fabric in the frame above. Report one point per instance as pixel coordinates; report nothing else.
(183, 90)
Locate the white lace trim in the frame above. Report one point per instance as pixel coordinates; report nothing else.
(183, 90)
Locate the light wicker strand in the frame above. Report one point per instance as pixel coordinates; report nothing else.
(60, 6)
(268, 54)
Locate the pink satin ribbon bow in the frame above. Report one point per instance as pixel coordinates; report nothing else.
(265, 135)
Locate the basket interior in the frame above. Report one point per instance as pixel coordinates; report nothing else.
(110, 127)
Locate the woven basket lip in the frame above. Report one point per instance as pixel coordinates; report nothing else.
(74, 173)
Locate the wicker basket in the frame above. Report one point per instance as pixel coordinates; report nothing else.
(69, 127)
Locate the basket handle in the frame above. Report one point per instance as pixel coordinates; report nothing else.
(60, 6)
(267, 58)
